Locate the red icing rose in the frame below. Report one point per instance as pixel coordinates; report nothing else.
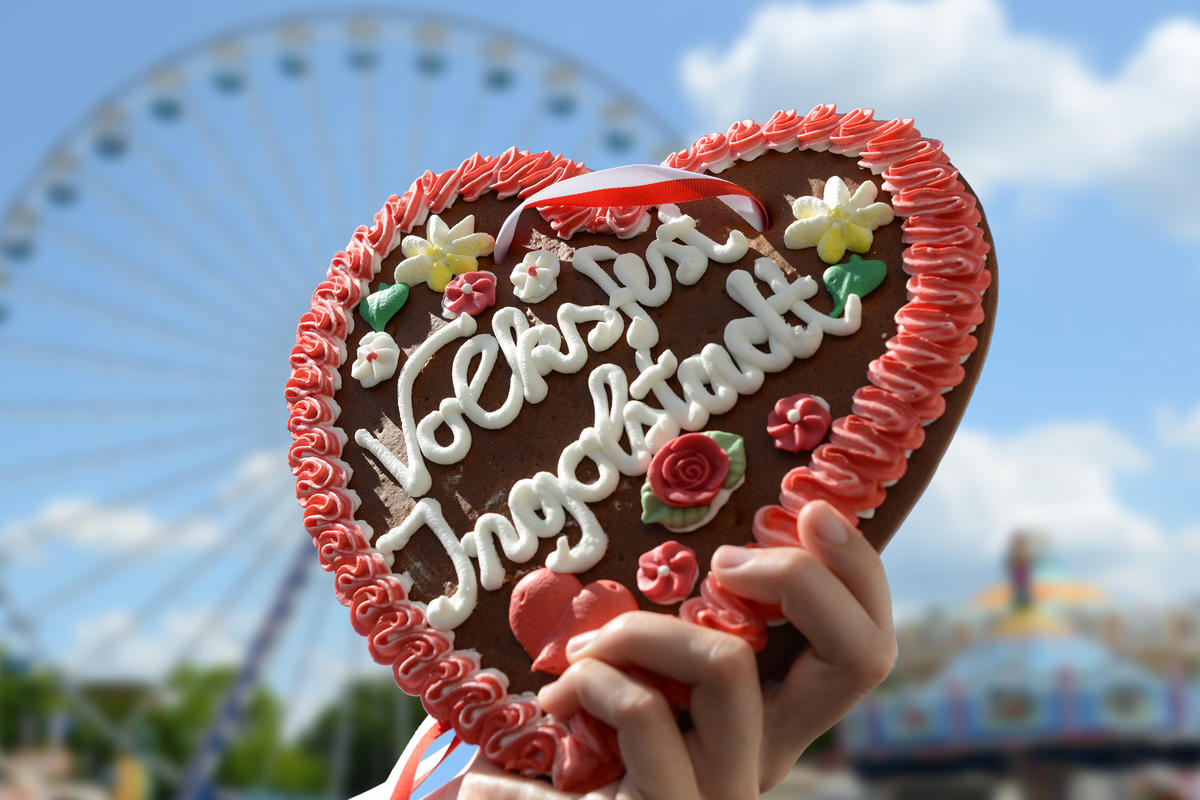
(667, 573)
(688, 471)
(470, 293)
(798, 422)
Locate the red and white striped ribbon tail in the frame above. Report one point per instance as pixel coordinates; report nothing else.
(416, 764)
(635, 185)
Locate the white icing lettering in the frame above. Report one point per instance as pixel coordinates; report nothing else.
(626, 431)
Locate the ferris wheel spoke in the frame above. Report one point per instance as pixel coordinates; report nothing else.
(80, 703)
(199, 439)
(368, 105)
(204, 268)
(269, 138)
(29, 408)
(174, 585)
(161, 489)
(242, 188)
(474, 112)
(101, 573)
(45, 413)
(148, 369)
(415, 154)
(239, 250)
(144, 328)
(325, 156)
(300, 678)
(533, 121)
(163, 283)
(341, 749)
(212, 622)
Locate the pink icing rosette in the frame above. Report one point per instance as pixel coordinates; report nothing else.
(798, 422)
(688, 471)
(667, 574)
(470, 293)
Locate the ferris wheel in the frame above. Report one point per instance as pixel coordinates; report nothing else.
(152, 270)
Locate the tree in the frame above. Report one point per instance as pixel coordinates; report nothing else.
(29, 700)
(361, 734)
(258, 757)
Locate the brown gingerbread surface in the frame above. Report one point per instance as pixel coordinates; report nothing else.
(692, 317)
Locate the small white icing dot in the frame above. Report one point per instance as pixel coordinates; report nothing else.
(793, 415)
(663, 570)
(466, 288)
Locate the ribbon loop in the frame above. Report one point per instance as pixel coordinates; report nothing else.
(635, 185)
(414, 767)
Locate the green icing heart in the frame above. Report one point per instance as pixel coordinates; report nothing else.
(854, 277)
(380, 306)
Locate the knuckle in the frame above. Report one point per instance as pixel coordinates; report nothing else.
(797, 565)
(636, 706)
(877, 663)
(730, 658)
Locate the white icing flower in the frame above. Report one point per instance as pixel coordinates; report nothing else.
(446, 253)
(839, 222)
(377, 358)
(536, 277)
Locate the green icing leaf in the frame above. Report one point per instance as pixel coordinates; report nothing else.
(732, 444)
(655, 510)
(380, 306)
(854, 277)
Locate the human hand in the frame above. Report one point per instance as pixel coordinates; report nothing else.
(744, 737)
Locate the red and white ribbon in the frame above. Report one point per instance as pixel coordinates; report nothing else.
(635, 185)
(414, 766)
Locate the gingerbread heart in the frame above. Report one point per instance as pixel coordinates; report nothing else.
(590, 364)
(547, 608)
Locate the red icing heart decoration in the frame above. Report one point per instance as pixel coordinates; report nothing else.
(494, 480)
(548, 608)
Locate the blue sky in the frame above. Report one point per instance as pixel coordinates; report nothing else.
(1077, 127)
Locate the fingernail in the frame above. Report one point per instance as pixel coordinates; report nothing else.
(580, 641)
(728, 557)
(830, 525)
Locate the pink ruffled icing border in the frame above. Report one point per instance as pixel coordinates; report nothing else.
(867, 451)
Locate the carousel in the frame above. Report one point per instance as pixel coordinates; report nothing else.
(1034, 707)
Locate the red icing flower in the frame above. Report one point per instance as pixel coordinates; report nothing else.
(688, 471)
(667, 573)
(470, 293)
(799, 422)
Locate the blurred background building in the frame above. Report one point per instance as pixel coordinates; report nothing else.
(1038, 688)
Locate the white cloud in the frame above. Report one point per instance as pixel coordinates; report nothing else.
(84, 523)
(115, 645)
(1061, 480)
(1013, 107)
(1179, 430)
(261, 468)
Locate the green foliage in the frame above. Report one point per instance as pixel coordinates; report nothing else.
(370, 723)
(350, 745)
(29, 699)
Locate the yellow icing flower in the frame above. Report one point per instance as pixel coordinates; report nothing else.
(838, 222)
(446, 253)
